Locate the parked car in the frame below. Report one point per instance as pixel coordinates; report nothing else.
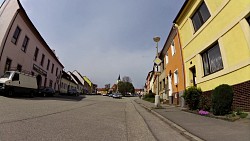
(105, 94)
(73, 92)
(117, 95)
(46, 91)
(110, 95)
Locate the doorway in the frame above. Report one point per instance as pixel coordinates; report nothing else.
(39, 81)
(193, 77)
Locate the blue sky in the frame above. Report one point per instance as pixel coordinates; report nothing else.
(104, 38)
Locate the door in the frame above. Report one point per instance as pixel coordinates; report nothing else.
(193, 77)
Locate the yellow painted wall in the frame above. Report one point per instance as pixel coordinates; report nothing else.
(228, 26)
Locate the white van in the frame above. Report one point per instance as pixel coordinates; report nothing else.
(13, 82)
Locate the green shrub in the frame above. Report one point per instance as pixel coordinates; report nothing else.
(222, 99)
(243, 115)
(192, 97)
(149, 95)
(205, 102)
(149, 99)
(238, 111)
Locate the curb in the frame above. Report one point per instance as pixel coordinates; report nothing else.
(178, 128)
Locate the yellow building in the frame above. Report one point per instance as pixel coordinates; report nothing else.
(215, 38)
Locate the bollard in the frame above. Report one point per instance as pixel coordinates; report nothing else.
(157, 101)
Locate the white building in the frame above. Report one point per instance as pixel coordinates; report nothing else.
(23, 48)
(80, 86)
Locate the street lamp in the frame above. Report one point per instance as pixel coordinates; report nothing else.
(157, 62)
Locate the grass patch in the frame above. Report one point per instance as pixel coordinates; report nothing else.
(149, 99)
(243, 115)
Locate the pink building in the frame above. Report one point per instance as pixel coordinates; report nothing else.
(23, 48)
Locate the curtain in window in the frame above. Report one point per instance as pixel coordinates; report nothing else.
(215, 59)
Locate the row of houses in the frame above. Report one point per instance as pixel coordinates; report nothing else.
(208, 45)
(23, 48)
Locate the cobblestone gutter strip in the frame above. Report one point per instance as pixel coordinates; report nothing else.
(178, 128)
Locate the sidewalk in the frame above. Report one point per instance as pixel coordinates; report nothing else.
(198, 127)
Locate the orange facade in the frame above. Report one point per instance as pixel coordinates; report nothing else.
(175, 77)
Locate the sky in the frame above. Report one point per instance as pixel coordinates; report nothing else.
(103, 39)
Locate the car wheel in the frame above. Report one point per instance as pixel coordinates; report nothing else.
(44, 94)
(31, 94)
(10, 93)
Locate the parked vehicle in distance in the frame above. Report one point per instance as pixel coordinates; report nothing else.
(117, 95)
(14, 82)
(73, 92)
(110, 95)
(46, 91)
(105, 94)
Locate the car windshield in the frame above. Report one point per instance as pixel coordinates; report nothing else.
(6, 75)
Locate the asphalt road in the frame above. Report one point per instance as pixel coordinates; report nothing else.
(90, 118)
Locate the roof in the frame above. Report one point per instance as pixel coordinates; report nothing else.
(78, 81)
(85, 78)
(37, 34)
(169, 40)
(181, 10)
(67, 77)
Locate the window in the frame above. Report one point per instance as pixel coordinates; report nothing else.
(200, 16)
(50, 83)
(48, 64)
(16, 35)
(7, 65)
(176, 77)
(36, 54)
(212, 60)
(164, 83)
(56, 71)
(45, 82)
(15, 77)
(52, 69)
(19, 67)
(25, 43)
(160, 86)
(173, 48)
(54, 86)
(166, 58)
(42, 60)
(248, 20)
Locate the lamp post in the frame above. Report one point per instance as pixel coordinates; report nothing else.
(157, 62)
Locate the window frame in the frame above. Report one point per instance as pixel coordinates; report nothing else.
(248, 20)
(199, 17)
(166, 58)
(36, 54)
(56, 71)
(206, 60)
(173, 51)
(176, 77)
(19, 66)
(7, 67)
(48, 64)
(42, 60)
(16, 35)
(25, 43)
(52, 69)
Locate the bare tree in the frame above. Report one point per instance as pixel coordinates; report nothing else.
(126, 79)
(107, 86)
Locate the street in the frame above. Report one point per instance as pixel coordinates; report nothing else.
(93, 117)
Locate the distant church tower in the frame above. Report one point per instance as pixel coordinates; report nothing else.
(118, 80)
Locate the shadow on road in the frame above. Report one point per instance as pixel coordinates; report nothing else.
(56, 97)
